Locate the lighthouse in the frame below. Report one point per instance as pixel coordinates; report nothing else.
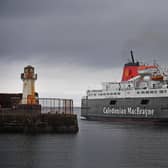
(29, 77)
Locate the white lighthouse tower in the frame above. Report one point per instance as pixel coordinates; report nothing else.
(29, 78)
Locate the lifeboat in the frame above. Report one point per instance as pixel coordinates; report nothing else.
(157, 77)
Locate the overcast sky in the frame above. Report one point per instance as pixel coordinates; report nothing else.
(77, 44)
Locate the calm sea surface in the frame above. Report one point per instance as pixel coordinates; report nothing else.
(97, 145)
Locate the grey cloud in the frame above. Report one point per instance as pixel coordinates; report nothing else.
(24, 8)
(84, 32)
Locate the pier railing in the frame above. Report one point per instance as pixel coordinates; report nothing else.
(47, 105)
(56, 105)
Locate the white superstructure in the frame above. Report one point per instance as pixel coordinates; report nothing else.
(149, 82)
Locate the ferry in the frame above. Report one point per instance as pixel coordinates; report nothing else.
(142, 95)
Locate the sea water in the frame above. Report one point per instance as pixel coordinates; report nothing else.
(96, 145)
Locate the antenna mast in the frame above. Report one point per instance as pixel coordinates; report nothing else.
(132, 57)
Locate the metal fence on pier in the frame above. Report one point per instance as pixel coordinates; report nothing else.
(56, 105)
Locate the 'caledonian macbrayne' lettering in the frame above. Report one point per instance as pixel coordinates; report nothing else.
(129, 110)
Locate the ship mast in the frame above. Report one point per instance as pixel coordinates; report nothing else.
(132, 57)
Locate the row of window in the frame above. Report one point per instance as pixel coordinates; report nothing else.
(138, 92)
(151, 92)
(104, 94)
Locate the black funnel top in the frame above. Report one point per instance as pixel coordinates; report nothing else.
(133, 63)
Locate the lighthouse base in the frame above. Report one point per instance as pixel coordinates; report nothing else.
(29, 108)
